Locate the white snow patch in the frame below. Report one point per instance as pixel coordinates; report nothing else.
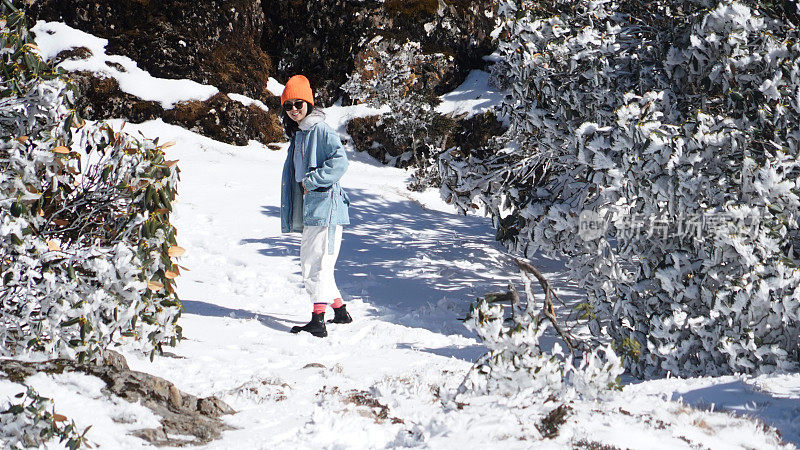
(474, 96)
(275, 87)
(54, 37)
(247, 101)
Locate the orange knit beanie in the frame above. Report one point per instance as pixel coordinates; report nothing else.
(298, 87)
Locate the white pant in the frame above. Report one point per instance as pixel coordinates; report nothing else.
(317, 264)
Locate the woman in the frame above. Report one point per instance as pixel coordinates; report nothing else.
(312, 201)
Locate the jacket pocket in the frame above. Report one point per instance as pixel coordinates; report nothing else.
(345, 197)
(317, 208)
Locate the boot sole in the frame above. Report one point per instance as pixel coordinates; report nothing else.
(324, 334)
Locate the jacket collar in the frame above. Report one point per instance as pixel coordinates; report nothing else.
(316, 116)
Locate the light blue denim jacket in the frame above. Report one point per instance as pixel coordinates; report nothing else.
(325, 161)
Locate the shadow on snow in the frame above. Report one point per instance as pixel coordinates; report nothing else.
(743, 399)
(417, 267)
(212, 310)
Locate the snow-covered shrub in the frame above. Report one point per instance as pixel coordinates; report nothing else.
(392, 79)
(655, 145)
(86, 247)
(33, 422)
(517, 365)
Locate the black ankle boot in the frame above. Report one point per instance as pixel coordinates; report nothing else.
(340, 315)
(315, 327)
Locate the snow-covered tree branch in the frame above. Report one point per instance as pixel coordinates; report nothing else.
(86, 246)
(669, 129)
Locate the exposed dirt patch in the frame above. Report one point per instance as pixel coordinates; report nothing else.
(73, 53)
(551, 423)
(583, 444)
(376, 409)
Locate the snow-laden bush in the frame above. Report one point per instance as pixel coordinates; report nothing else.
(393, 78)
(516, 365)
(655, 145)
(33, 422)
(84, 219)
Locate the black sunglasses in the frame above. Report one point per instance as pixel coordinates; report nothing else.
(297, 104)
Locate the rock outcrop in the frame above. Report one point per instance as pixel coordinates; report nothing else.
(219, 117)
(326, 40)
(236, 45)
(463, 135)
(212, 42)
(181, 414)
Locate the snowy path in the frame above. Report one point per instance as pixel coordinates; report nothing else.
(407, 273)
(409, 268)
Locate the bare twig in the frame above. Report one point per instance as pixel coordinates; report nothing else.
(548, 311)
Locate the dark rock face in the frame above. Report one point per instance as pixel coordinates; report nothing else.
(181, 414)
(212, 42)
(219, 117)
(368, 136)
(227, 120)
(464, 136)
(101, 98)
(323, 39)
(226, 43)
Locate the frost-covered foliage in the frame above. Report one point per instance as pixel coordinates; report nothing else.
(33, 422)
(668, 130)
(84, 219)
(392, 78)
(516, 365)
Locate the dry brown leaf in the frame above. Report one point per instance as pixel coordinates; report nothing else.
(61, 149)
(171, 274)
(161, 211)
(53, 246)
(22, 139)
(170, 163)
(176, 251)
(167, 144)
(61, 222)
(154, 286)
(59, 418)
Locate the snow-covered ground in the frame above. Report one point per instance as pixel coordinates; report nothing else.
(409, 268)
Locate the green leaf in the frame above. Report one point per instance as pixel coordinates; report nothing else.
(70, 322)
(18, 209)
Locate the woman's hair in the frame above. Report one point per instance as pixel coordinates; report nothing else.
(290, 127)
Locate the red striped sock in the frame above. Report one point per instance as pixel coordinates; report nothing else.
(319, 307)
(337, 303)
